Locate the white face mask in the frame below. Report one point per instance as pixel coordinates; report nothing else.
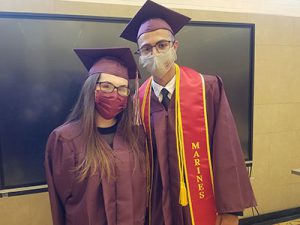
(159, 64)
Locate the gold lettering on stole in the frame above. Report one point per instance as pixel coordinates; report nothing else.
(195, 145)
(197, 163)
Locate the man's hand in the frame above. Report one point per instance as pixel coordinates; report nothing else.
(227, 219)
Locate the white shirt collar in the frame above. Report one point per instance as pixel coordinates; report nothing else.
(170, 86)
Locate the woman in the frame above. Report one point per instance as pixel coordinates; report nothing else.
(95, 161)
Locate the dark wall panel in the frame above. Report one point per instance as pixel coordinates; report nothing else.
(40, 78)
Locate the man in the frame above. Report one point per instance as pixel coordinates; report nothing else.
(197, 174)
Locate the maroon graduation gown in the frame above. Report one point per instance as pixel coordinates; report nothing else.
(233, 191)
(120, 201)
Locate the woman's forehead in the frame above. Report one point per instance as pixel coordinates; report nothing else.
(114, 79)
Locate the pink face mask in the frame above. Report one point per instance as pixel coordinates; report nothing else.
(109, 105)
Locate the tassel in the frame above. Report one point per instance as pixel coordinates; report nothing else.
(183, 195)
(136, 103)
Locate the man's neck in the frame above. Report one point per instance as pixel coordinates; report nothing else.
(166, 78)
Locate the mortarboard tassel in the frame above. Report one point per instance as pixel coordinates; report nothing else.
(136, 102)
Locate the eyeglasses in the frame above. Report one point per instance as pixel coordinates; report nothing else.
(161, 47)
(109, 88)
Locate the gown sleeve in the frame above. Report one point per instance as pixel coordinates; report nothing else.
(58, 165)
(233, 190)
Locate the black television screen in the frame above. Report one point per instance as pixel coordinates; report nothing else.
(40, 78)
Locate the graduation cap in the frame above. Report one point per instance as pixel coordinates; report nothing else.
(116, 61)
(151, 17)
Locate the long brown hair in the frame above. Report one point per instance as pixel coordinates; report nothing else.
(97, 156)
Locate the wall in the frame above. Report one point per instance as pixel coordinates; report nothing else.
(276, 101)
(25, 210)
(273, 7)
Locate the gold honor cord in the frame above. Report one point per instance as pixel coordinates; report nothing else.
(183, 198)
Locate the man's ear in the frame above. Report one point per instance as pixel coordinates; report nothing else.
(176, 44)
